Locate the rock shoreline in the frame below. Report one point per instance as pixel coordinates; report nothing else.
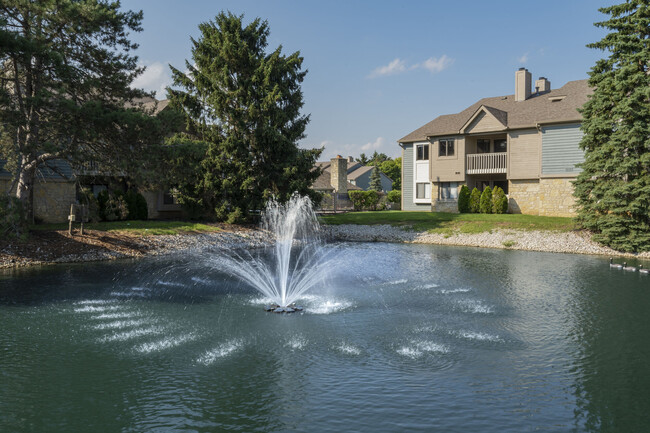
(574, 242)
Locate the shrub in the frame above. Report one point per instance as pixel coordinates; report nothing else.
(137, 205)
(86, 197)
(371, 199)
(475, 201)
(116, 209)
(142, 207)
(499, 201)
(394, 196)
(12, 221)
(235, 217)
(463, 200)
(357, 199)
(102, 199)
(486, 200)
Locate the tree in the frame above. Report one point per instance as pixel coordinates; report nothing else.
(463, 199)
(613, 189)
(393, 169)
(486, 200)
(499, 201)
(244, 103)
(375, 180)
(65, 71)
(363, 159)
(475, 201)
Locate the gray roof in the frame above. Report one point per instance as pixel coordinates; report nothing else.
(539, 108)
(56, 169)
(323, 183)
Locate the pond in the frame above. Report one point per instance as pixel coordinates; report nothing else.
(397, 338)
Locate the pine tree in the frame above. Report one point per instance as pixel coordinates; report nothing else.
(499, 201)
(613, 189)
(486, 200)
(475, 201)
(245, 104)
(65, 74)
(463, 199)
(375, 180)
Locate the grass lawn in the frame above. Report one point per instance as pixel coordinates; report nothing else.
(448, 223)
(136, 227)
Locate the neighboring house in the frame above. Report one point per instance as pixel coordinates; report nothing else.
(526, 143)
(333, 180)
(358, 174)
(55, 186)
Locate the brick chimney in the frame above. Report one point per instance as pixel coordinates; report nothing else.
(523, 80)
(542, 85)
(339, 174)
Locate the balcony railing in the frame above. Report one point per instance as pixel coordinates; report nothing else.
(484, 163)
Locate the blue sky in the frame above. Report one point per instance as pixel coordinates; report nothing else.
(378, 70)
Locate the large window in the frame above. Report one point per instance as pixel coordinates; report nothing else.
(482, 146)
(500, 145)
(446, 147)
(422, 152)
(448, 190)
(422, 190)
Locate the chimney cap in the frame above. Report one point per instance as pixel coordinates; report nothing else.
(522, 69)
(542, 78)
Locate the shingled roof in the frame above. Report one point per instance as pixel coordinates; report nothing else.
(559, 105)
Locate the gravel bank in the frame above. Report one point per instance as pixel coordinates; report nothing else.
(575, 242)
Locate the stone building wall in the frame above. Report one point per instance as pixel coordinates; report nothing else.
(52, 201)
(547, 196)
(556, 197)
(523, 196)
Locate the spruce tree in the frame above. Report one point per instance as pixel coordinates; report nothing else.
(375, 180)
(613, 189)
(245, 103)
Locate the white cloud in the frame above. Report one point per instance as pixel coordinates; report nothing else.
(154, 79)
(372, 146)
(523, 59)
(435, 65)
(397, 66)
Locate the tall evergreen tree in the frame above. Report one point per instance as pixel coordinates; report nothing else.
(245, 104)
(65, 74)
(375, 180)
(613, 189)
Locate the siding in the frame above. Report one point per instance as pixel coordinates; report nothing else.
(560, 150)
(407, 181)
(483, 123)
(523, 149)
(445, 168)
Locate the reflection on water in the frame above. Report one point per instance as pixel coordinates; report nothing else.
(400, 338)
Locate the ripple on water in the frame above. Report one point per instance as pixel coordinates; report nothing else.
(348, 349)
(165, 343)
(95, 302)
(418, 348)
(321, 305)
(478, 336)
(395, 282)
(296, 343)
(473, 306)
(129, 335)
(120, 315)
(221, 351)
(96, 309)
(121, 324)
(451, 291)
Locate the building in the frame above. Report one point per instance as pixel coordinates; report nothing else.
(526, 143)
(358, 175)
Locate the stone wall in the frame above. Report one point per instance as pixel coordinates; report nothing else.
(450, 206)
(556, 197)
(52, 201)
(547, 196)
(523, 196)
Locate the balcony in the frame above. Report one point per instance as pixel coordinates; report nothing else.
(487, 163)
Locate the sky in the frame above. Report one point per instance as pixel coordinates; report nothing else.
(378, 70)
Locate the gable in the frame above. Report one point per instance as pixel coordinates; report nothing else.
(483, 121)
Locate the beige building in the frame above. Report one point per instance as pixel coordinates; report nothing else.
(526, 143)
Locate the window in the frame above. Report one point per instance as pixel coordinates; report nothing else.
(503, 184)
(422, 190)
(482, 146)
(446, 147)
(500, 145)
(448, 190)
(422, 152)
(168, 198)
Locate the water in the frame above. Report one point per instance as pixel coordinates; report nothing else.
(401, 338)
(297, 261)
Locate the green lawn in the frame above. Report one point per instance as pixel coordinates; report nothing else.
(448, 223)
(136, 227)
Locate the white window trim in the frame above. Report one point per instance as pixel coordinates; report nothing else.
(415, 182)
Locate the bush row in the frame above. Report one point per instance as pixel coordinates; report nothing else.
(488, 201)
(115, 206)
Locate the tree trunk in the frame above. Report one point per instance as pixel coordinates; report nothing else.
(25, 187)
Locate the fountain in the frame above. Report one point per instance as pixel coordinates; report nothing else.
(298, 261)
